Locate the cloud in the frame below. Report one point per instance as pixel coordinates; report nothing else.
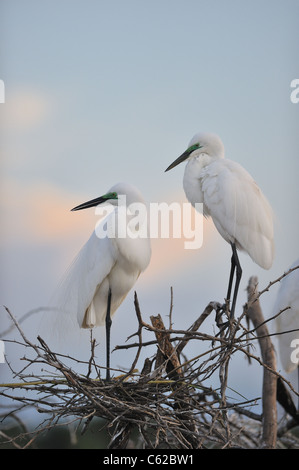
(40, 214)
(24, 110)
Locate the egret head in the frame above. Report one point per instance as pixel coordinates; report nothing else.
(131, 192)
(112, 196)
(201, 143)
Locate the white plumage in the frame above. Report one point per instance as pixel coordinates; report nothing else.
(105, 263)
(107, 267)
(288, 296)
(239, 210)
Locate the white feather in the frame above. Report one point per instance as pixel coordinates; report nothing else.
(102, 264)
(229, 194)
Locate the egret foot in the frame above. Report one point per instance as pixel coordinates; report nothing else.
(222, 310)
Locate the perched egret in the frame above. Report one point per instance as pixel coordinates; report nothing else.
(288, 296)
(239, 210)
(108, 266)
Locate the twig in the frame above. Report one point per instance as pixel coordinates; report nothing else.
(179, 412)
(197, 324)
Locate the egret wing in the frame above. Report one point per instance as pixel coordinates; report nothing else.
(239, 210)
(88, 271)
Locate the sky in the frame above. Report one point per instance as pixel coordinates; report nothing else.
(98, 92)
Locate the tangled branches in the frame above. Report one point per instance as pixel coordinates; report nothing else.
(167, 402)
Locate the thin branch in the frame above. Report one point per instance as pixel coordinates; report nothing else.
(172, 406)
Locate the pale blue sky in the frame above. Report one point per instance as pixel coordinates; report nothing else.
(130, 82)
(116, 89)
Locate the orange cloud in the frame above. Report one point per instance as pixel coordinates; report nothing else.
(25, 109)
(168, 254)
(41, 214)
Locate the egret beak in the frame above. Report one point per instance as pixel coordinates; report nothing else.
(184, 156)
(96, 201)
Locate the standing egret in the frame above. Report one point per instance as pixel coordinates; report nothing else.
(108, 266)
(239, 210)
(288, 297)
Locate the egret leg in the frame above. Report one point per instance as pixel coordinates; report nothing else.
(238, 279)
(231, 276)
(108, 328)
(235, 266)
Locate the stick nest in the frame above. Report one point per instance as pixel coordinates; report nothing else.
(166, 402)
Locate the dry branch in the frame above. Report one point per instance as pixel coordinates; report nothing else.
(167, 352)
(169, 402)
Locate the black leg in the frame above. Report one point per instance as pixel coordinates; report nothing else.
(235, 267)
(231, 276)
(238, 279)
(108, 328)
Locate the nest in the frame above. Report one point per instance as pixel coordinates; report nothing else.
(167, 402)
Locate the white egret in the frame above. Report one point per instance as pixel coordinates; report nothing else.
(288, 321)
(107, 267)
(239, 210)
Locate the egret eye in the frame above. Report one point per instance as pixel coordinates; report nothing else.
(110, 196)
(193, 147)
